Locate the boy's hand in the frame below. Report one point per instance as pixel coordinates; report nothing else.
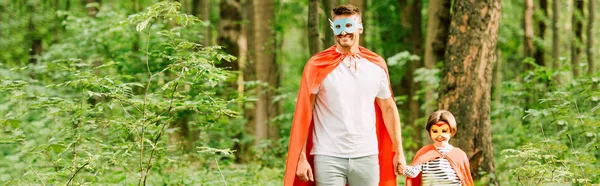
(401, 169)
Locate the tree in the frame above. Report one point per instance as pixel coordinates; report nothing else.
(201, 9)
(410, 20)
(466, 79)
(92, 7)
(36, 39)
(590, 36)
(540, 48)
(438, 12)
(417, 43)
(528, 28)
(576, 42)
(328, 6)
(230, 27)
(266, 68)
(555, 35)
(314, 41)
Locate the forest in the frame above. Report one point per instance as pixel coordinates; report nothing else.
(203, 92)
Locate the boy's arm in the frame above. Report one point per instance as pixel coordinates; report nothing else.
(413, 171)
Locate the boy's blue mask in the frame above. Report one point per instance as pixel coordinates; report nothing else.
(347, 25)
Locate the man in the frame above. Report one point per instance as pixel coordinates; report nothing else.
(346, 127)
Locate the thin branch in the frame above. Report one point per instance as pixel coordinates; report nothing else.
(126, 112)
(161, 130)
(36, 174)
(541, 178)
(77, 172)
(572, 146)
(548, 147)
(144, 106)
(222, 176)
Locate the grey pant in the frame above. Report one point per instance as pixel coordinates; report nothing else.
(334, 171)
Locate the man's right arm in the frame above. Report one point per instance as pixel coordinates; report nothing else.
(304, 171)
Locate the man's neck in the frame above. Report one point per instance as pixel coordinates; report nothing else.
(348, 50)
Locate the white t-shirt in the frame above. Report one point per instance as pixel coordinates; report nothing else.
(344, 113)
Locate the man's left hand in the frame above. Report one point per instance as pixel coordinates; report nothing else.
(399, 164)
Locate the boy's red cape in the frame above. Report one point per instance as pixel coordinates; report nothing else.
(317, 68)
(457, 158)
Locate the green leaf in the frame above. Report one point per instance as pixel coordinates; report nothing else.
(13, 123)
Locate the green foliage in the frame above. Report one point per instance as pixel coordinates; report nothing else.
(106, 105)
(556, 138)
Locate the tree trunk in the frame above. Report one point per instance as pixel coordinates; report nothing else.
(413, 101)
(528, 28)
(266, 68)
(36, 40)
(58, 27)
(466, 82)
(230, 18)
(314, 42)
(92, 10)
(247, 73)
(328, 5)
(201, 9)
(437, 36)
(577, 42)
(539, 49)
(590, 37)
(555, 38)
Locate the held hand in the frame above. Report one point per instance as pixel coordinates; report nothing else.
(304, 171)
(401, 169)
(399, 164)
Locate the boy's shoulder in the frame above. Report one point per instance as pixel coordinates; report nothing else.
(458, 154)
(458, 150)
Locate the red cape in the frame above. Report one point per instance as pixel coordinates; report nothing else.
(457, 158)
(317, 68)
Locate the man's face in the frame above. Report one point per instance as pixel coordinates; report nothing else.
(440, 133)
(347, 39)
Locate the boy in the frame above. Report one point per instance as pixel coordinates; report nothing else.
(439, 163)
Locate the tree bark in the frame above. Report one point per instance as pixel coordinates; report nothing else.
(539, 48)
(328, 5)
(247, 73)
(437, 36)
(201, 9)
(555, 38)
(528, 28)
(590, 37)
(577, 42)
(466, 81)
(36, 40)
(413, 101)
(314, 42)
(92, 10)
(230, 18)
(266, 68)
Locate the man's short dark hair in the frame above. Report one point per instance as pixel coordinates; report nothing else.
(346, 9)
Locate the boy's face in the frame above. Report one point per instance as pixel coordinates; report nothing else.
(440, 133)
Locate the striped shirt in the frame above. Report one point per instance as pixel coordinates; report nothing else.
(435, 172)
